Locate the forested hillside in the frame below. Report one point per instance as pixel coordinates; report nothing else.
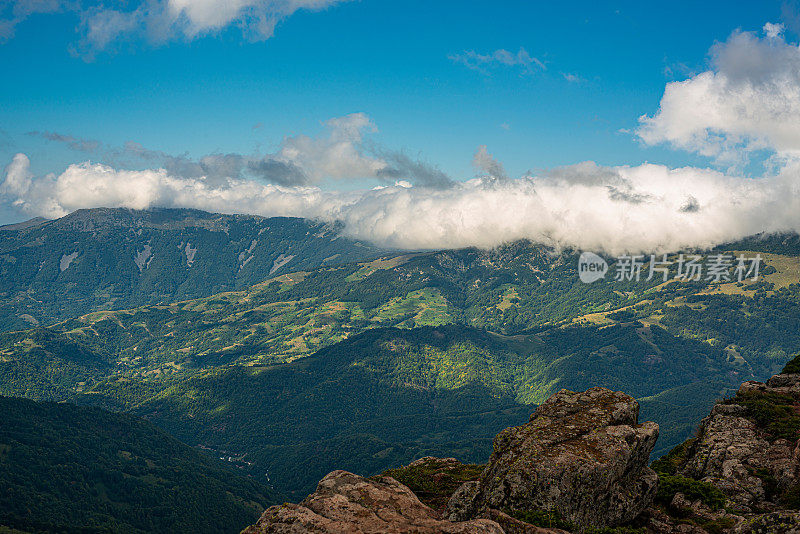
(104, 259)
(387, 396)
(66, 468)
(234, 372)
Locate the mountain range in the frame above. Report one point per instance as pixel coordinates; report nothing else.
(102, 259)
(372, 358)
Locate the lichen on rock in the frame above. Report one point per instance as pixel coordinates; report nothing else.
(747, 446)
(582, 455)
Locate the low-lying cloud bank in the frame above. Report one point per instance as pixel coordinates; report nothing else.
(616, 209)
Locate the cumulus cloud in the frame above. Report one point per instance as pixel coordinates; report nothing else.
(337, 155)
(499, 58)
(158, 21)
(18, 178)
(643, 208)
(748, 101)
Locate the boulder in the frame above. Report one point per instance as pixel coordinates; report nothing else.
(582, 455)
(345, 503)
(738, 454)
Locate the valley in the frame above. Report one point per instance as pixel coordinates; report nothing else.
(397, 357)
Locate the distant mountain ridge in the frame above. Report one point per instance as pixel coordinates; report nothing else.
(104, 258)
(30, 223)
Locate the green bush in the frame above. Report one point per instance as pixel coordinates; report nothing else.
(541, 518)
(793, 366)
(773, 412)
(670, 462)
(435, 482)
(552, 519)
(669, 485)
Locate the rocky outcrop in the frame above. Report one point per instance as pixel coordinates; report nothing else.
(581, 463)
(582, 455)
(345, 503)
(747, 446)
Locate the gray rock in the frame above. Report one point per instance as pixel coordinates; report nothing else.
(463, 504)
(582, 454)
(739, 457)
(345, 503)
(773, 523)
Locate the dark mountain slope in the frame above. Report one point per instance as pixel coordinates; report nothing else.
(66, 468)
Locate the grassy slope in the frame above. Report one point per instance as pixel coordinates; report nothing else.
(387, 396)
(379, 399)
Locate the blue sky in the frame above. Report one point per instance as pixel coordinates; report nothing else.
(388, 59)
(539, 84)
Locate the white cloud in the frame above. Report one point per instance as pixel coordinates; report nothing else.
(572, 78)
(159, 21)
(644, 208)
(12, 13)
(773, 30)
(258, 16)
(748, 101)
(18, 177)
(499, 58)
(338, 155)
(340, 152)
